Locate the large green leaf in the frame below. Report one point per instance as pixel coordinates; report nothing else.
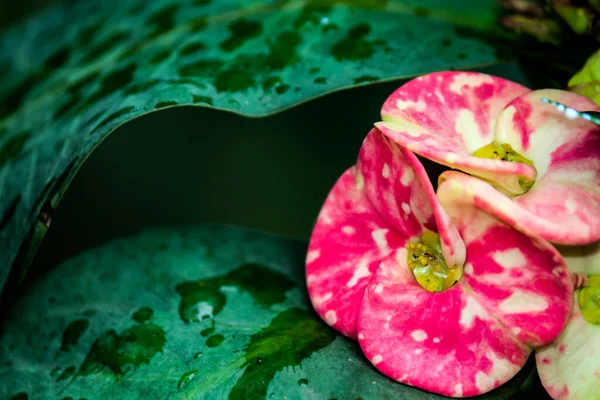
(195, 313)
(73, 73)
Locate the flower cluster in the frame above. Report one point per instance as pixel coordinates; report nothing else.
(450, 289)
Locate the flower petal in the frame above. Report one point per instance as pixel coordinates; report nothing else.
(523, 280)
(445, 343)
(372, 210)
(571, 211)
(446, 116)
(569, 367)
(535, 219)
(566, 155)
(348, 242)
(515, 295)
(389, 183)
(389, 174)
(523, 283)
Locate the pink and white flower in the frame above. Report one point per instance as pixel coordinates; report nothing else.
(530, 176)
(513, 294)
(448, 116)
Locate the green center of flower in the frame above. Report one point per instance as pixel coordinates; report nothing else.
(589, 300)
(505, 152)
(427, 263)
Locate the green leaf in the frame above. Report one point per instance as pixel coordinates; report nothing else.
(74, 72)
(204, 313)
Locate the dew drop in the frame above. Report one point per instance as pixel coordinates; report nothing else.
(186, 379)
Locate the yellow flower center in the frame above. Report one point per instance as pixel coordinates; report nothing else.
(427, 263)
(589, 300)
(505, 152)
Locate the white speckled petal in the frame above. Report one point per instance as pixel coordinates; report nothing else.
(532, 219)
(566, 155)
(570, 366)
(389, 173)
(446, 116)
(515, 295)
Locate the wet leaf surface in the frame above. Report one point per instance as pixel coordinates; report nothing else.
(83, 68)
(252, 338)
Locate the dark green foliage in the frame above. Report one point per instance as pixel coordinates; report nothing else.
(261, 339)
(84, 69)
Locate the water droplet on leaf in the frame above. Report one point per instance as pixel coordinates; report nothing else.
(186, 379)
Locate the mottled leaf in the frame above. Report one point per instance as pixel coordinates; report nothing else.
(202, 313)
(74, 72)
